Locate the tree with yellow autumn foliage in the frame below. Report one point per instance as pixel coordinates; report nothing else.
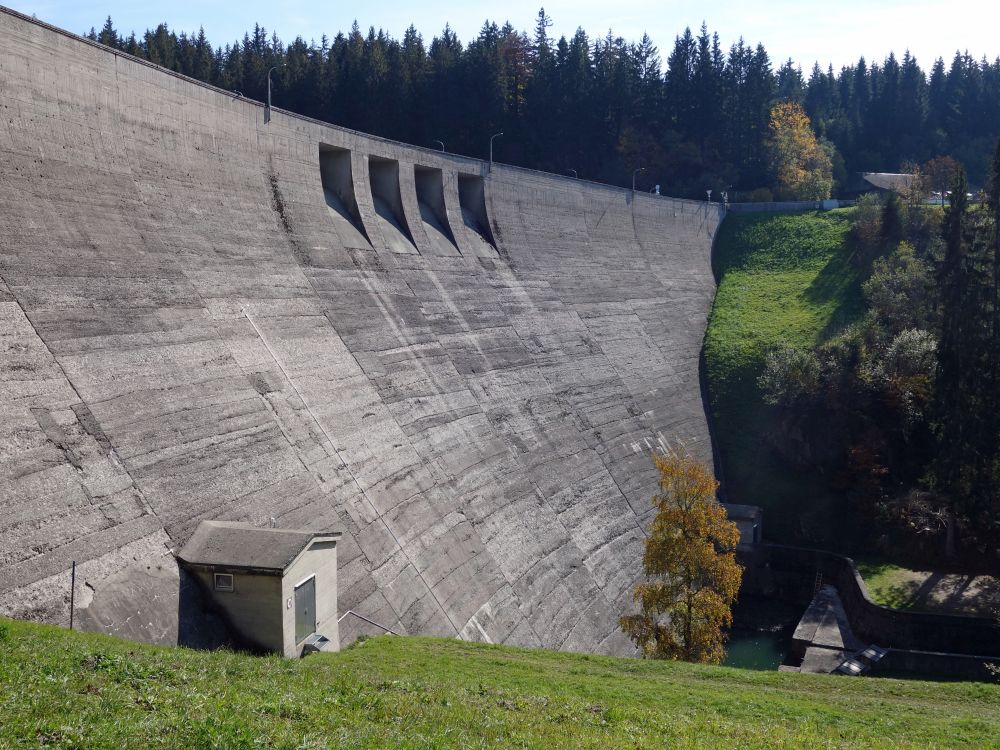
(802, 167)
(692, 576)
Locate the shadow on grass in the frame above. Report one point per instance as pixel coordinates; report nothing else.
(838, 282)
(943, 593)
(805, 256)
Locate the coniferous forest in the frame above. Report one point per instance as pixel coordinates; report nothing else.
(602, 107)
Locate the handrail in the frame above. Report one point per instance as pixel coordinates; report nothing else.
(370, 622)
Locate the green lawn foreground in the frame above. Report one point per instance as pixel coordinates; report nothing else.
(783, 278)
(69, 690)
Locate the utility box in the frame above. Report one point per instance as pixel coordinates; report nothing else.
(277, 587)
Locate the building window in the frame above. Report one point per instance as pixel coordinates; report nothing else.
(223, 581)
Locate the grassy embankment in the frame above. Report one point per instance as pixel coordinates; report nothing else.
(782, 278)
(62, 689)
(931, 591)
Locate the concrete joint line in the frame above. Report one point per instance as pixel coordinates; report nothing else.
(364, 492)
(147, 508)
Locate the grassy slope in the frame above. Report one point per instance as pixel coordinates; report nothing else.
(782, 278)
(63, 689)
(929, 591)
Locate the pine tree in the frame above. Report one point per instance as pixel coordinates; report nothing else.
(991, 485)
(992, 206)
(202, 66)
(790, 84)
(109, 36)
(680, 84)
(959, 369)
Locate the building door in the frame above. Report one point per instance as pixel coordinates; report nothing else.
(305, 609)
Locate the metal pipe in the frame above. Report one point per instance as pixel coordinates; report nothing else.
(72, 593)
(370, 622)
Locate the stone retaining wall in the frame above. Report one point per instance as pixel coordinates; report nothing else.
(791, 572)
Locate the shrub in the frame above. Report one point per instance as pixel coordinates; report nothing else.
(789, 375)
(900, 291)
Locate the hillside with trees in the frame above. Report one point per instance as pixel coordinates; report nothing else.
(854, 365)
(602, 106)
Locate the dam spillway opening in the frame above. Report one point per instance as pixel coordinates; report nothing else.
(338, 190)
(430, 199)
(383, 176)
(472, 198)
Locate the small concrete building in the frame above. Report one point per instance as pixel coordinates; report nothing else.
(277, 587)
(749, 519)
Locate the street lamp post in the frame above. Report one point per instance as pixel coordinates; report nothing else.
(640, 169)
(495, 135)
(574, 173)
(441, 143)
(267, 111)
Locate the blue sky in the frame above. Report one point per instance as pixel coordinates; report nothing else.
(834, 32)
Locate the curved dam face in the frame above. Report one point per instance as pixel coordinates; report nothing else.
(206, 316)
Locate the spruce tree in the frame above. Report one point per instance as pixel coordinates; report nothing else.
(991, 486)
(966, 387)
(992, 194)
(108, 36)
(951, 367)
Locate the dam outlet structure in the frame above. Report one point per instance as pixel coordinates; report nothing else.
(207, 316)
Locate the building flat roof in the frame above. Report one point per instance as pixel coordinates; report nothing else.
(228, 544)
(743, 512)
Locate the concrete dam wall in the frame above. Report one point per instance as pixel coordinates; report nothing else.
(206, 316)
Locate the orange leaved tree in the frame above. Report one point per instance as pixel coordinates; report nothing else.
(802, 166)
(692, 576)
